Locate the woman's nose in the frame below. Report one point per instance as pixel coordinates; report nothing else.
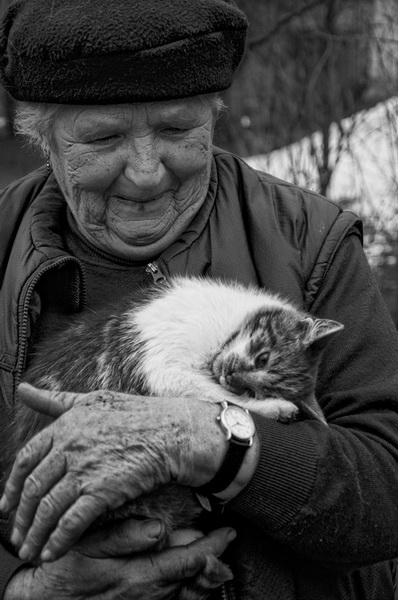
(144, 166)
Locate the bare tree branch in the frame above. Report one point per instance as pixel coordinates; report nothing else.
(283, 21)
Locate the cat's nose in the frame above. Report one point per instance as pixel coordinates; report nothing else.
(228, 381)
(231, 364)
(234, 383)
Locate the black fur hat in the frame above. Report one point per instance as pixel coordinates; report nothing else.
(114, 51)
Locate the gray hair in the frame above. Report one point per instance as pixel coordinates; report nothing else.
(35, 120)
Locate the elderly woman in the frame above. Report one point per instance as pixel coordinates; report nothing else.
(122, 98)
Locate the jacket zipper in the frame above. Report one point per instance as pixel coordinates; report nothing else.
(224, 594)
(154, 271)
(23, 336)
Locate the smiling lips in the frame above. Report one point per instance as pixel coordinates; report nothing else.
(142, 207)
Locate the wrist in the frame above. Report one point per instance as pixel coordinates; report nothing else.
(206, 441)
(244, 474)
(240, 452)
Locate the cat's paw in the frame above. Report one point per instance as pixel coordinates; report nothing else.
(274, 408)
(288, 412)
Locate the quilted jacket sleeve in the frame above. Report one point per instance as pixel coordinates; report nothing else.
(330, 492)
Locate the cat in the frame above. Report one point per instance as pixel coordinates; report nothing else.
(193, 336)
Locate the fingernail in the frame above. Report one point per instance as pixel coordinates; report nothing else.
(154, 529)
(46, 555)
(16, 537)
(24, 552)
(231, 535)
(3, 504)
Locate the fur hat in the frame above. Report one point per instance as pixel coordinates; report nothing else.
(115, 51)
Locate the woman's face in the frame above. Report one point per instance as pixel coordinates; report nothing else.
(134, 175)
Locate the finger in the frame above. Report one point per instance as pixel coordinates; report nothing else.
(120, 539)
(39, 483)
(49, 403)
(212, 577)
(46, 517)
(181, 563)
(26, 460)
(214, 574)
(33, 494)
(72, 525)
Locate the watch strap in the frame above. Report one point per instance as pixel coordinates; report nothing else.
(228, 471)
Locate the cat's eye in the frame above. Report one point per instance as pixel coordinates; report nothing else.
(262, 360)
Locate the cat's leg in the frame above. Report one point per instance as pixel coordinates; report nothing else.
(202, 386)
(183, 382)
(180, 382)
(272, 408)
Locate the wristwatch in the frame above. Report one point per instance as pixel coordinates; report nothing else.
(239, 428)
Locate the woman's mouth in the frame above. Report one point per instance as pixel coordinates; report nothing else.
(140, 208)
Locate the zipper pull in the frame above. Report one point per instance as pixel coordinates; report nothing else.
(156, 274)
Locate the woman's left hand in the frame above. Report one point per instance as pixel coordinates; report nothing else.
(105, 449)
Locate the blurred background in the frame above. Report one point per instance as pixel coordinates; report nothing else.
(315, 102)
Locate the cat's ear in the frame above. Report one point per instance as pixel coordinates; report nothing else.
(319, 332)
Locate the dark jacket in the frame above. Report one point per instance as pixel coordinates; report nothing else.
(322, 503)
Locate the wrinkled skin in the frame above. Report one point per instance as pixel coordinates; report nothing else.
(134, 175)
(102, 452)
(104, 566)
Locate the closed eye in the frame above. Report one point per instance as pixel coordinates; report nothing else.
(105, 139)
(262, 359)
(174, 130)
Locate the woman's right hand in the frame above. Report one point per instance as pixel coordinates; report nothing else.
(103, 567)
(106, 449)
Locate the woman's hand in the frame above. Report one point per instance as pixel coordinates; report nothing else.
(106, 448)
(105, 567)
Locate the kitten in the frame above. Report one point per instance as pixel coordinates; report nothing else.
(194, 336)
(188, 338)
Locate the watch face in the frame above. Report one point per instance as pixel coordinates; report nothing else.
(239, 422)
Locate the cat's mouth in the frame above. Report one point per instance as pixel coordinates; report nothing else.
(229, 384)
